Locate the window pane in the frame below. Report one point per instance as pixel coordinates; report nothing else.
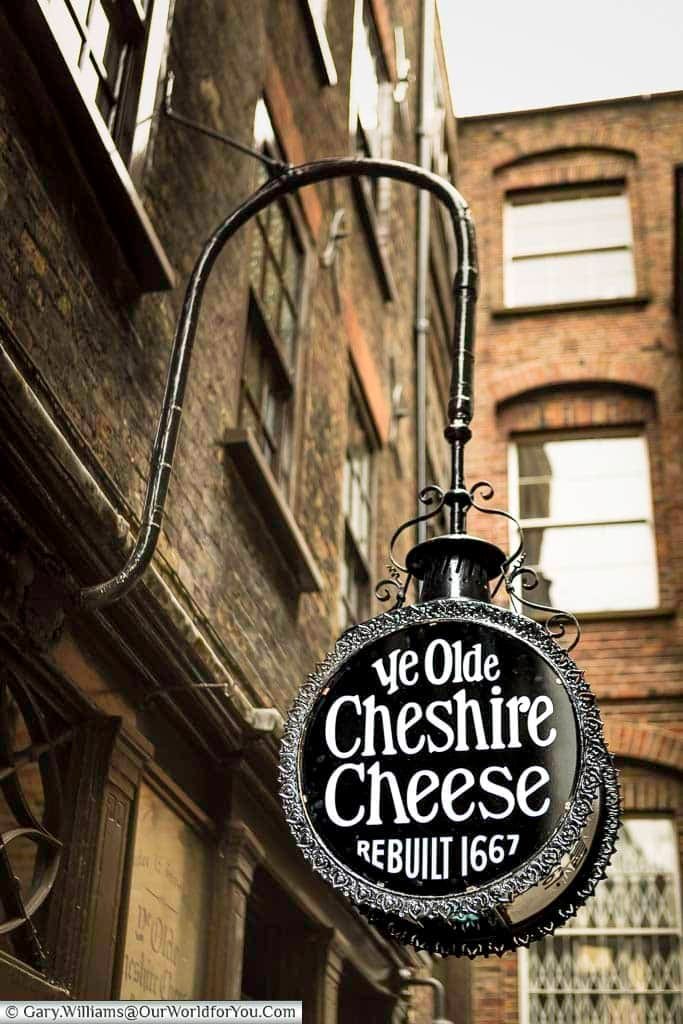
(293, 267)
(276, 232)
(567, 278)
(584, 480)
(358, 514)
(81, 7)
(264, 133)
(287, 327)
(367, 80)
(319, 8)
(594, 568)
(271, 292)
(256, 258)
(276, 250)
(588, 222)
(566, 247)
(103, 41)
(263, 404)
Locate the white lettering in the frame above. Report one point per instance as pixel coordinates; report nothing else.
(524, 791)
(331, 796)
(409, 715)
(331, 726)
(449, 796)
(535, 718)
(496, 790)
(415, 794)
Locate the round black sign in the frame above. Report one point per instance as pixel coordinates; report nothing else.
(439, 757)
(442, 768)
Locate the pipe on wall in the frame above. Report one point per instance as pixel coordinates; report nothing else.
(409, 979)
(421, 321)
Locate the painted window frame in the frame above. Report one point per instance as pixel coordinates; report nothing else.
(116, 174)
(600, 433)
(316, 12)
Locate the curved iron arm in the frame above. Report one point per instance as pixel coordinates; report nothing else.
(460, 404)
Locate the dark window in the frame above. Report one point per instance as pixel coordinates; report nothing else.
(276, 270)
(358, 504)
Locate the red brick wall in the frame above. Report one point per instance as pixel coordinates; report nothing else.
(593, 367)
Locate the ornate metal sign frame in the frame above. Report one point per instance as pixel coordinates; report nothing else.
(595, 769)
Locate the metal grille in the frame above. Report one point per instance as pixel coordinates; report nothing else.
(619, 961)
(30, 817)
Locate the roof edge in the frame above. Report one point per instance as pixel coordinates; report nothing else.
(636, 98)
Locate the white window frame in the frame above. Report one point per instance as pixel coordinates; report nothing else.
(154, 26)
(116, 176)
(529, 524)
(562, 193)
(362, 12)
(316, 11)
(523, 987)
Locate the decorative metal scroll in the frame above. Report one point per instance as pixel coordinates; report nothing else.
(30, 816)
(516, 577)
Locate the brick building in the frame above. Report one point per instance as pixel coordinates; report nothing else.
(144, 738)
(153, 724)
(579, 427)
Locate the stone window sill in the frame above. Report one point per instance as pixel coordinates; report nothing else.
(252, 467)
(500, 312)
(662, 612)
(320, 43)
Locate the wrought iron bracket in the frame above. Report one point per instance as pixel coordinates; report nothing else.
(278, 166)
(287, 180)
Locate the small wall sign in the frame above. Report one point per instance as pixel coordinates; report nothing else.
(445, 769)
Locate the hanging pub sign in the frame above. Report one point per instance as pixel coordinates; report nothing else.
(444, 769)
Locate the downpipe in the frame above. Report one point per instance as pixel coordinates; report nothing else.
(408, 979)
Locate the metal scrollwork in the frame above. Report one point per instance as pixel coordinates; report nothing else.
(516, 577)
(427, 496)
(30, 847)
(394, 585)
(526, 578)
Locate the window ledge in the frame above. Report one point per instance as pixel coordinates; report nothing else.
(108, 174)
(254, 470)
(662, 612)
(501, 312)
(23, 982)
(321, 44)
